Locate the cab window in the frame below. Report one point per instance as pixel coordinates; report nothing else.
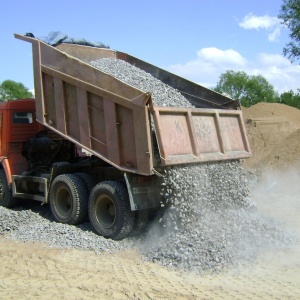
(22, 117)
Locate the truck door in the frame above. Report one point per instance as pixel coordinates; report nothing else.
(21, 128)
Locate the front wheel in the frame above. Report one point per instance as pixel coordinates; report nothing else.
(109, 210)
(6, 198)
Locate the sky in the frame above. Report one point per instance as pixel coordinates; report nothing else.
(195, 39)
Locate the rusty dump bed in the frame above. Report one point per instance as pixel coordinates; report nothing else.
(111, 119)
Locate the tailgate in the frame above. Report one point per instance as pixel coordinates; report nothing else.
(187, 135)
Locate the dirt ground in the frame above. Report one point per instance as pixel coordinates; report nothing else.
(35, 271)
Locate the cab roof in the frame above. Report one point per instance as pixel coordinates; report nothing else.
(18, 104)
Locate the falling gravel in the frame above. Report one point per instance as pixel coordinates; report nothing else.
(209, 220)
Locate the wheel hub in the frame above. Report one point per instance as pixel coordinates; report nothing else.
(63, 201)
(105, 211)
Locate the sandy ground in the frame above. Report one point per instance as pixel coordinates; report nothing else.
(35, 271)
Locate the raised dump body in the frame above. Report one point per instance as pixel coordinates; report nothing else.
(111, 119)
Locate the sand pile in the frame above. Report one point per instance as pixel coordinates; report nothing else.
(274, 135)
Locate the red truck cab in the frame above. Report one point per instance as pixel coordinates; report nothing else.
(17, 124)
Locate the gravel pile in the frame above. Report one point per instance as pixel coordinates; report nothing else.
(162, 94)
(34, 222)
(209, 221)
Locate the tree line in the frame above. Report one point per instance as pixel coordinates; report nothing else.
(12, 90)
(250, 90)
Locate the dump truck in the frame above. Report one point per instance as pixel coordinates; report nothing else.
(88, 143)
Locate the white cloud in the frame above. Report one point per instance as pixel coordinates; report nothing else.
(251, 21)
(216, 55)
(274, 36)
(266, 22)
(278, 70)
(272, 59)
(210, 63)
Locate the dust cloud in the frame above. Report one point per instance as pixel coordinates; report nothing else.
(277, 195)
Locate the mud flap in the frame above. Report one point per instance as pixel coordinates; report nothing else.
(144, 191)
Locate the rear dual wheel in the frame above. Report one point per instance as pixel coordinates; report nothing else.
(88, 181)
(108, 207)
(109, 210)
(68, 199)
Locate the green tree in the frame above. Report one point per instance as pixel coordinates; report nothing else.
(247, 89)
(11, 90)
(290, 16)
(291, 98)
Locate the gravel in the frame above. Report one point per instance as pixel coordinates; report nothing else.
(34, 222)
(162, 94)
(209, 221)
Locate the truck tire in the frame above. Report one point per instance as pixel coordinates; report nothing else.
(68, 199)
(88, 181)
(6, 198)
(109, 210)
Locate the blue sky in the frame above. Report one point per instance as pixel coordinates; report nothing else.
(196, 39)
